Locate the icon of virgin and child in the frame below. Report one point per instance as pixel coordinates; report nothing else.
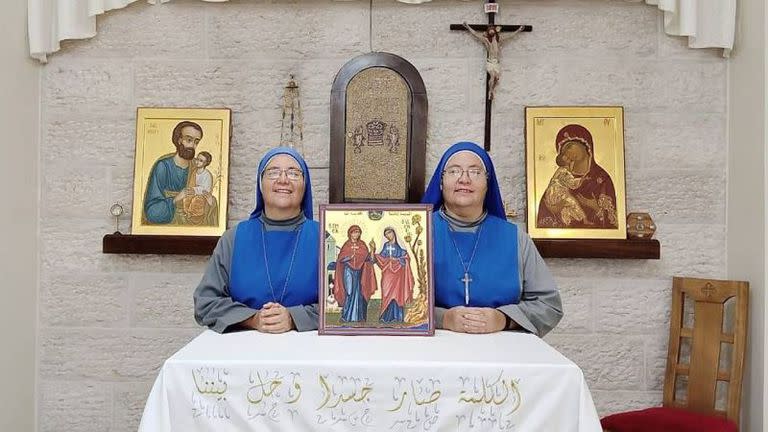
(355, 280)
(580, 193)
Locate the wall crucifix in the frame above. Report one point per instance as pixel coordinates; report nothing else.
(491, 35)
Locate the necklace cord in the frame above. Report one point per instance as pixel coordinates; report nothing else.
(290, 266)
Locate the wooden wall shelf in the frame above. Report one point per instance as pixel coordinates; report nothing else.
(548, 248)
(158, 244)
(602, 248)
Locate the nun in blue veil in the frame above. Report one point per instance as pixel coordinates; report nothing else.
(263, 273)
(489, 276)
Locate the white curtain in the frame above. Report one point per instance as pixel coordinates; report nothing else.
(706, 23)
(51, 21)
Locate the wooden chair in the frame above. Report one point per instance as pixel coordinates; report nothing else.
(696, 410)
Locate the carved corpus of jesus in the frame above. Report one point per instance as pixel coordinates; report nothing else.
(492, 39)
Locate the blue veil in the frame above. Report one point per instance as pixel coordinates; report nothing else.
(306, 202)
(493, 203)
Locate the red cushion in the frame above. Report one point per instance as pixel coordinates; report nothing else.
(666, 420)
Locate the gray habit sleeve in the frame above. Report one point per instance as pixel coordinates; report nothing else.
(540, 308)
(439, 315)
(214, 306)
(305, 317)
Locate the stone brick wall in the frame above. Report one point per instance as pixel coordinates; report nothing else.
(107, 322)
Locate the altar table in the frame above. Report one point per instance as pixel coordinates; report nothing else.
(245, 381)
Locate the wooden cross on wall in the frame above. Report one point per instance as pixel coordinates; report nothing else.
(493, 38)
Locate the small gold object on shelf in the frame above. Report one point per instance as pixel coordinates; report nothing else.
(640, 226)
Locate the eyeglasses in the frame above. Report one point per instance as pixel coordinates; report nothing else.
(293, 174)
(456, 173)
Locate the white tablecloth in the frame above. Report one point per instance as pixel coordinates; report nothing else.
(305, 382)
